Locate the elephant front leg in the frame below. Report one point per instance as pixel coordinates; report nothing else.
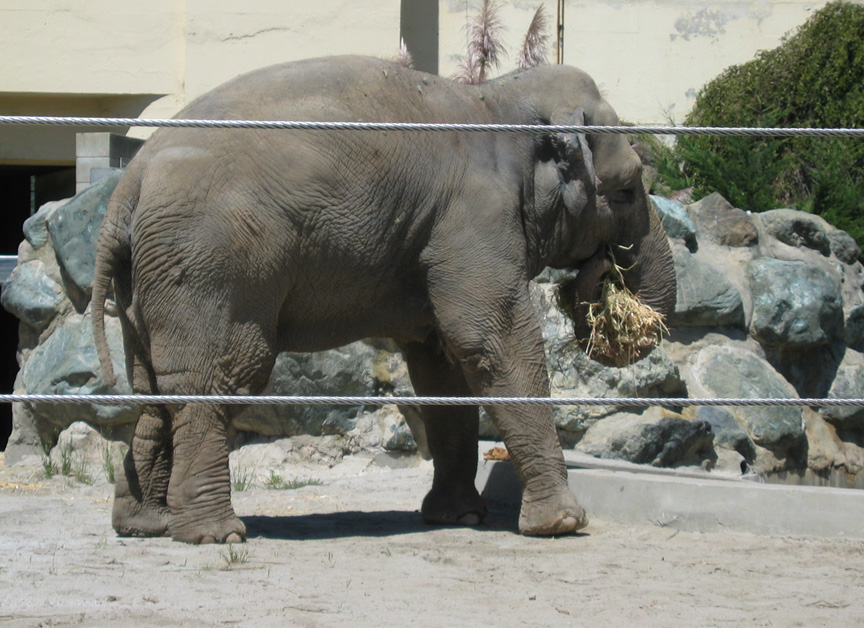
(199, 493)
(500, 348)
(140, 507)
(548, 505)
(451, 432)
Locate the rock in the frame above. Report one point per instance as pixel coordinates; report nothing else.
(576, 375)
(716, 219)
(32, 295)
(797, 229)
(652, 437)
(727, 431)
(848, 384)
(685, 196)
(675, 220)
(705, 296)
(843, 246)
(358, 369)
(795, 304)
(74, 228)
(36, 227)
(853, 332)
(88, 449)
(66, 363)
(825, 451)
(722, 372)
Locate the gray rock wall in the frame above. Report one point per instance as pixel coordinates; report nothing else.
(769, 305)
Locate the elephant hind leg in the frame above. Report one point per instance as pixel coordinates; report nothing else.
(451, 433)
(140, 507)
(236, 357)
(141, 488)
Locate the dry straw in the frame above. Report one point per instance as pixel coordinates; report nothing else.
(621, 329)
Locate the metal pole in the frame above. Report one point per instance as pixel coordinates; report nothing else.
(560, 33)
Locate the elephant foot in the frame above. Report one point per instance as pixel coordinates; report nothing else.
(553, 515)
(230, 530)
(454, 507)
(144, 524)
(131, 517)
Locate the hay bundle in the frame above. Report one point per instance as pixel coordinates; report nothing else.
(618, 329)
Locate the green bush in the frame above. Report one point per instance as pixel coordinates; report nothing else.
(815, 78)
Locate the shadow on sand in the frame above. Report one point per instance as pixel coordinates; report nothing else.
(353, 523)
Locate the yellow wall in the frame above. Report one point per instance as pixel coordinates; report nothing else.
(649, 56)
(129, 58)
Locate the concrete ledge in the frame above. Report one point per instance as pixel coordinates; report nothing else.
(691, 501)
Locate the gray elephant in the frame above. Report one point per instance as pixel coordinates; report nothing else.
(226, 247)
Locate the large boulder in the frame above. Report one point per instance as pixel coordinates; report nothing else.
(797, 229)
(653, 437)
(706, 298)
(74, 228)
(32, 295)
(718, 221)
(795, 304)
(675, 220)
(848, 384)
(722, 371)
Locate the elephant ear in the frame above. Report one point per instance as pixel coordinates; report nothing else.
(573, 154)
(564, 183)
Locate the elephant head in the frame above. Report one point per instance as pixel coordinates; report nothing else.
(586, 198)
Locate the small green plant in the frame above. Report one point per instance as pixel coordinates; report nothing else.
(276, 482)
(108, 464)
(242, 478)
(48, 465)
(234, 556)
(66, 455)
(81, 470)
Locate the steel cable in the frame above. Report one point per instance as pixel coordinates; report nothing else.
(424, 126)
(319, 400)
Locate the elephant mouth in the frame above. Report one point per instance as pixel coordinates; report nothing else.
(609, 323)
(581, 285)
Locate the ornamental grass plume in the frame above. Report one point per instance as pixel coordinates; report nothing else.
(485, 46)
(534, 50)
(621, 329)
(404, 58)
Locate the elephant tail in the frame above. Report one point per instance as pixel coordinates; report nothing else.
(113, 254)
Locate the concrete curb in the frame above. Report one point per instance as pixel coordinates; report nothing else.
(625, 493)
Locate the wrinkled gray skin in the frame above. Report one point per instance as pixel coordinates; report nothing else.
(226, 247)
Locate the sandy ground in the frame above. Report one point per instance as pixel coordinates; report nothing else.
(353, 551)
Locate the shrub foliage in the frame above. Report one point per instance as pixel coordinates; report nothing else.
(815, 78)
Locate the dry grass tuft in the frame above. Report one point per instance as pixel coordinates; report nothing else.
(621, 329)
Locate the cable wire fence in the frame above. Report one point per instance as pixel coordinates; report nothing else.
(343, 400)
(425, 127)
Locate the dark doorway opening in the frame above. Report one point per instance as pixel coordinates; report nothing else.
(25, 189)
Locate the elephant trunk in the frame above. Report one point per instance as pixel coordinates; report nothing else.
(649, 271)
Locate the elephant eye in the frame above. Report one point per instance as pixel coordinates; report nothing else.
(621, 196)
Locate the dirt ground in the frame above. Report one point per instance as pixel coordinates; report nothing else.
(353, 551)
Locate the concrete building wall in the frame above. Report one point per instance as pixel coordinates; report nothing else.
(109, 58)
(649, 56)
(102, 57)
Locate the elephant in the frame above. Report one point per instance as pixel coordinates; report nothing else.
(225, 247)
